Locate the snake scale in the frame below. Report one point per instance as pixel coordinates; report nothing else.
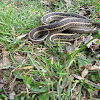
(62, 26)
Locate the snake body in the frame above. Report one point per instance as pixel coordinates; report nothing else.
(72, 23)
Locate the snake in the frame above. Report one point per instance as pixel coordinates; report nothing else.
(63, 27)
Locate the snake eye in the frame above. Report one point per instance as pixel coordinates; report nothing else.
(73, 37)
(57, 29)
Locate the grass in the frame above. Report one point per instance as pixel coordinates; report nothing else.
(37, 71)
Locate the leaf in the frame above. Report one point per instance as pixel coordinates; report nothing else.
(44, 96)
(59, 91)
(38, 90)
(93, 78)
(95, 67)
(93, 45)
(28, 80)
(37, 87)
(32, 98)
(85, 72)
(11, 95)
(5, 61)
(19, 58)
(21, 36)
(82, 61)
(98, 42)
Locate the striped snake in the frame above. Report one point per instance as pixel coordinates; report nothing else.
(61, 26)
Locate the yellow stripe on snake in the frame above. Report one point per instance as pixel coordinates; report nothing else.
(56, 22)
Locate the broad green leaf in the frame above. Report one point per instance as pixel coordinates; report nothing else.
(44, 96)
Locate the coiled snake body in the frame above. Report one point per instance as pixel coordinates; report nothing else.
(72, 23)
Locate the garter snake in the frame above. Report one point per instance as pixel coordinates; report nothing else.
(72, 23)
